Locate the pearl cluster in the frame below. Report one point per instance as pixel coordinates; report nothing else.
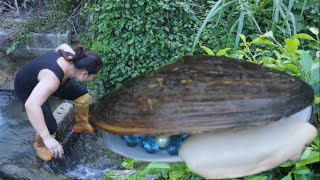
(153, 144)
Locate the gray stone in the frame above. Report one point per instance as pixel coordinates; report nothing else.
(64, 115)
(7, 71)
(39, 43)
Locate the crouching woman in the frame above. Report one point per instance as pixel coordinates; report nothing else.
(57, 74)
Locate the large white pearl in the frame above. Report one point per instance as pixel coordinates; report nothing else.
(162, 141)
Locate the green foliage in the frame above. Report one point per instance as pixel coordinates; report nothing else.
(21, 38)
(228, 17)
(175, 171)
(134, 37)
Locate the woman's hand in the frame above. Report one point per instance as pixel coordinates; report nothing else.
(53, 146)
(66, 48)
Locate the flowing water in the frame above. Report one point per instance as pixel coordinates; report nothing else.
(88, 159)
(15, 131)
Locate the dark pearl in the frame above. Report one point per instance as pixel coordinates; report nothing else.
(130, 141)
(173, 147)
(138, 139)
(184, 136)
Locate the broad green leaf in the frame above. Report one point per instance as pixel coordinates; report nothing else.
(158, 165)
(180, 166)
(243, 38)
(287, 164)
(316, 140)
(304, 36)
(268, 34)
(306, 61)
(315, 66)
(302, 177)
(302, 170)
(207, 50)
(306, 153)
(316, 99)
(314, 30)
(128, 164)
(119, 79)
(241, 52)
(314, 76)
(313, 157)
(9, 50)
(292, 68)
(176, 175)
(273, 66)
(292, 45)
(287, 177)
(221, 52)
(256, 178)
(260, 40)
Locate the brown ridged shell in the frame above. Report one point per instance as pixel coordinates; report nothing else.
(199, 94)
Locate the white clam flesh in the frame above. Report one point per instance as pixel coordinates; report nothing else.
(245, 151)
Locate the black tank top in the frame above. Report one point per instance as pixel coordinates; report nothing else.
(27, 78)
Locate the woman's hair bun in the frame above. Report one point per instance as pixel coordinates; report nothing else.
(80, 52)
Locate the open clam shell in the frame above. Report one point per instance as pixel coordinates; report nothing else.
(198, 95)
(201, 94)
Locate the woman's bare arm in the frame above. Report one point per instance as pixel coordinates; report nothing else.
(47, 85)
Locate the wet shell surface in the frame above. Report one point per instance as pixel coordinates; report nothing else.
(200, 94)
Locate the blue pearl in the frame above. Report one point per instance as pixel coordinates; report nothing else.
(150, 145)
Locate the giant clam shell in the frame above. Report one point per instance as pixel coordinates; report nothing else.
(200, 94)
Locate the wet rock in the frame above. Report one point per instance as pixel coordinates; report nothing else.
(6, 97)
(64, 115)
(22, 172)
(91, 151)
(7, 72)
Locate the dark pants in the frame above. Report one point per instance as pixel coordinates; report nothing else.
(71, 90)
